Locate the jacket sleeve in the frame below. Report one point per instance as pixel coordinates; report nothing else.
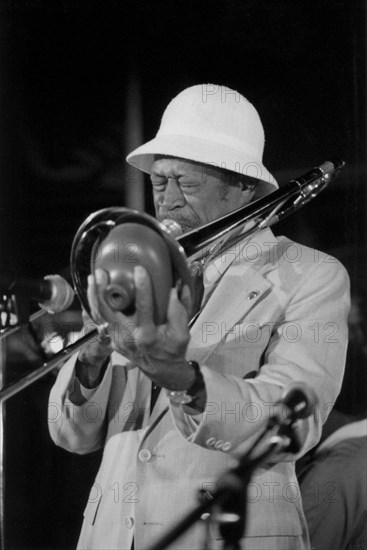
(307, 346)
(76, 417)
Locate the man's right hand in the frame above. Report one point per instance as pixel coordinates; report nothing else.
(92, 357)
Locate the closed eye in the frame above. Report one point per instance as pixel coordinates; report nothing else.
(159, 183)
(189, 186)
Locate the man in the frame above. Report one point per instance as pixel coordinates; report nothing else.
(333, 480)
(263, 303)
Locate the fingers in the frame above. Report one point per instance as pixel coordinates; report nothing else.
(102, 312)
(186, 299)
(177, 314)
(100, 309)
(96, 287)
(103, 315)
(144, 301)
(93, 299)
(145, 331)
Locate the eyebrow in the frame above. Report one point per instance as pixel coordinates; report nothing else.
(172, 173)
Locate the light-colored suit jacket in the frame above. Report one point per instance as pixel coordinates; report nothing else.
(275, 313)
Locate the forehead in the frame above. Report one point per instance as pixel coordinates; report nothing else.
(171, 166)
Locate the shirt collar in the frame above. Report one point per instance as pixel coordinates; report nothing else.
(349, 431)
(249, 250)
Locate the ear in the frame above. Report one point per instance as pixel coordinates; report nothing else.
(247, 195)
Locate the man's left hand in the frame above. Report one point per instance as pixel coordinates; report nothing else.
(159, 351)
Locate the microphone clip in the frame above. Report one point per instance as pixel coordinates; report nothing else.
(287, 433)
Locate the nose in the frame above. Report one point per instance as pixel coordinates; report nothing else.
(173, 196)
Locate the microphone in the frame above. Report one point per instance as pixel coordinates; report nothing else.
(53, 292)
(297, 401)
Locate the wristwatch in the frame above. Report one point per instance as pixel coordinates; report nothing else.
(183, 397)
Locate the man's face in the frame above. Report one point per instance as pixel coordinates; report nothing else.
(193, 194)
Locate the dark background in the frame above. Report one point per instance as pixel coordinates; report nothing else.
(70, 73)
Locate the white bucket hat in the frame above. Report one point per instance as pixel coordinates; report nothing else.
(213, 125)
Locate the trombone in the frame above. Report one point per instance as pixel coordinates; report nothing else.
(187, 252)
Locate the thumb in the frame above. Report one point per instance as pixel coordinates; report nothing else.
(177, 315)
(186, 299)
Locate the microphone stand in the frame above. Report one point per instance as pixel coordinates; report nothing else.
(228, 502)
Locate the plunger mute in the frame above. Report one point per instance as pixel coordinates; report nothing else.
(126, 246)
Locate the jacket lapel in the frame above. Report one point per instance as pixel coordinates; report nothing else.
(233, 298)
(240, 280)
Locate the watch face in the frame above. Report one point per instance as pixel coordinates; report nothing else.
(179, 397)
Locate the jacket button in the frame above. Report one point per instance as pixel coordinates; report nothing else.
(210, 442)
(218, 444)
(253, 294)
(129, 522)
(226, 446)
(145, 455)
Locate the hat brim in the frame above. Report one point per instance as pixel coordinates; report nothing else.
(205, 152)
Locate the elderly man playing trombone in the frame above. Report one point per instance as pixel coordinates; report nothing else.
(272, 312)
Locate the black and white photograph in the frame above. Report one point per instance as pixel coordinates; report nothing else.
(183, 244)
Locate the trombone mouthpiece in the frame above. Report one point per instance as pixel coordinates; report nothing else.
(338, 163)
(172, 227)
